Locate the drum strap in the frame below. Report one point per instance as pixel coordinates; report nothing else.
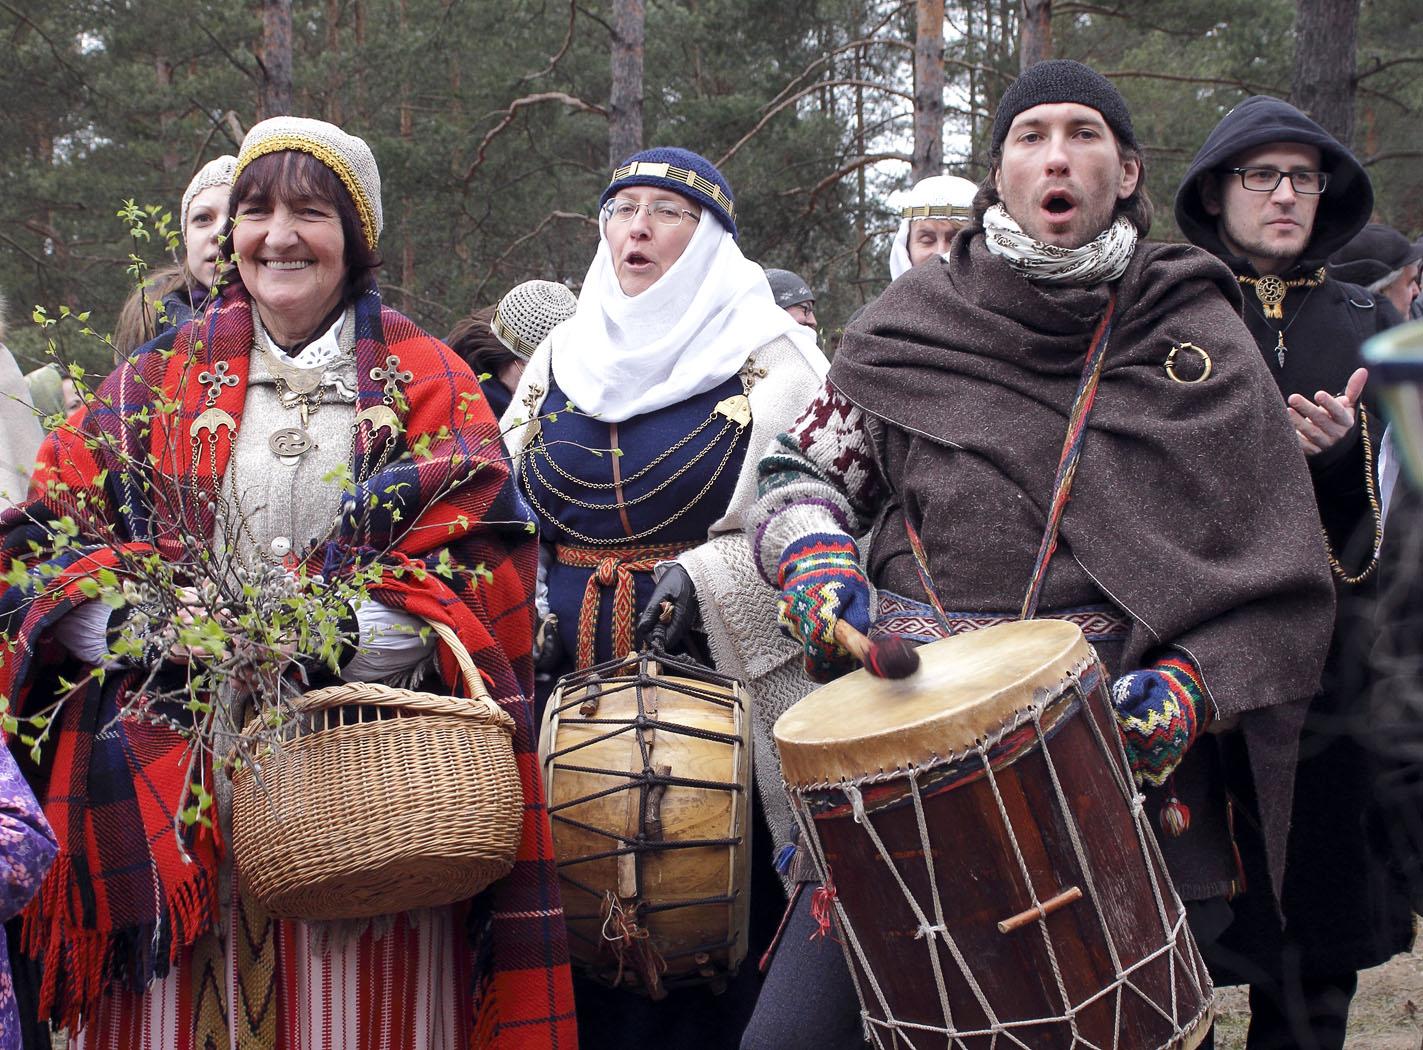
(1062, 485)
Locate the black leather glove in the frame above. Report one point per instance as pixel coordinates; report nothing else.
(677, 588)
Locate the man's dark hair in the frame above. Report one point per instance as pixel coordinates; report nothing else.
(1138, 207)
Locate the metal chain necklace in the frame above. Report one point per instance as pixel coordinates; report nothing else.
(622, 540)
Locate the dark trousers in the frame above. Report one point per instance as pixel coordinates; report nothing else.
(690, 1018)
(1303, 1013)
(807, 999)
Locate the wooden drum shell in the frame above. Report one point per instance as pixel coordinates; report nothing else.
(1055, 773)
(591, 763)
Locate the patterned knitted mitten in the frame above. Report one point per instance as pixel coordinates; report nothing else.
(821, 583)
(1160, 712)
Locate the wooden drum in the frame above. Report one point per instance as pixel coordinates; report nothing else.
(993, 877)
(647, 767)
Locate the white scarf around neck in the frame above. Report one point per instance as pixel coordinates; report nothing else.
(621, 356)
(1104, 258)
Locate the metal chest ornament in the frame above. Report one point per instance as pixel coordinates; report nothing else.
(212, 420)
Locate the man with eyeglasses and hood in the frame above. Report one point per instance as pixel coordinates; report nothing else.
(1273, 194)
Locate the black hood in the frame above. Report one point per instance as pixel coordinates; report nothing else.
(1348, 201)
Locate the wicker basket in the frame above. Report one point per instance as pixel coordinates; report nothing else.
(384, 800)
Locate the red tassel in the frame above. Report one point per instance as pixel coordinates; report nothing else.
(1175, 816)
(822, 902)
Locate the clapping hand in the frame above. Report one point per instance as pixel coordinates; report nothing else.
(1322, 423)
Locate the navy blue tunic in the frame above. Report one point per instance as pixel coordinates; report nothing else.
(673, 501)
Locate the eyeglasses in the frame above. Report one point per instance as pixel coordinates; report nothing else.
(620, 209)
(1264, 180)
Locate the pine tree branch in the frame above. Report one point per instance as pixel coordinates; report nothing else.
(817, 86)
(507, 117)
(563, 50)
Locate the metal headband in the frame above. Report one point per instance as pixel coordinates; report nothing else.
(936, 211)
(659, 170)
(509, 337)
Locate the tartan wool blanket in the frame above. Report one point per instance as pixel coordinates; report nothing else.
(139, 474)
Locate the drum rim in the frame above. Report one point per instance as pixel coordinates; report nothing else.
(813, 756)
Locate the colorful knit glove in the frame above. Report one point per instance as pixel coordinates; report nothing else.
(1160, 712)
(821, 583)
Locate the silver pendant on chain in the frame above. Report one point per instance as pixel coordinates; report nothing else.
(290, 444)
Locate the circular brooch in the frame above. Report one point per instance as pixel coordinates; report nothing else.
(1171, 362)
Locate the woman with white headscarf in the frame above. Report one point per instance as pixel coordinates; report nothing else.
(933, 213)
(680, 364)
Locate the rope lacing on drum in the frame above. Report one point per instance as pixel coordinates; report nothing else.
(1192, 969)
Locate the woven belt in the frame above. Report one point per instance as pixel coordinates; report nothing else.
(896, 614)
(612, 567)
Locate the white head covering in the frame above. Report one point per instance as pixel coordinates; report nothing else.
(622, 356)
(937, 197)
(216, 172)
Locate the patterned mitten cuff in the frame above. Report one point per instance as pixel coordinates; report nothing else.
(1160, 712)
(821, 583)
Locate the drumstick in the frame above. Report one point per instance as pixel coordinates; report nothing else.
(887, 657)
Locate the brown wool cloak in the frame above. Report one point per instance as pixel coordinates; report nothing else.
(1192, 509)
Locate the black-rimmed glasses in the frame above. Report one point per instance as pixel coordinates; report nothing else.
(1264, 180)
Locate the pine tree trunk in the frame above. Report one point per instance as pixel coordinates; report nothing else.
(1323, 83)
(276, 58)
(929, 89)
(1034, 32)
(625, 121)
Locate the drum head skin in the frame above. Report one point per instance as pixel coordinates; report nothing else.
(967, 688)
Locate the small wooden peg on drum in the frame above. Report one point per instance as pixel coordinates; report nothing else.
(1042, 911)
(887, 657)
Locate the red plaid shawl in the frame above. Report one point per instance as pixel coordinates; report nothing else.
(121, 902)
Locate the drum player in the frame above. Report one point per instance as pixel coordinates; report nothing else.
(1188, 550)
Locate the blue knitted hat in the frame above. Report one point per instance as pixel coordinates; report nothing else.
(683, 171)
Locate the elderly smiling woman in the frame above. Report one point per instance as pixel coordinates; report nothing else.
(298, 371)
(679, 360)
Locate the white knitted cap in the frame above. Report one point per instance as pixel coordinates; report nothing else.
(218, 172)
(526, 315)
(346, 155)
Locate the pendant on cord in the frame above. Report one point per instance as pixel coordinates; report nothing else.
(1280, 347)
(1270, 290)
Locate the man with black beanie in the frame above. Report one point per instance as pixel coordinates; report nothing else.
(1272, 194)
(1185, 540)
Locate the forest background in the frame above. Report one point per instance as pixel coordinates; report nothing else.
(495, 121)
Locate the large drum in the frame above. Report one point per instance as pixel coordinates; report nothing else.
(985, 855)
(647, 766)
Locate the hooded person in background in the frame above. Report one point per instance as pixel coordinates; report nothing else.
(1381, 260)
(1272, 194)
(20, 430)
(1206, 593)
(934, 211)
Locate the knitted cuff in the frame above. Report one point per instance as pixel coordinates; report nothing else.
(821, 583)
(1160, 712)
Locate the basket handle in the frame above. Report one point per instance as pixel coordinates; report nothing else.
(472, 678)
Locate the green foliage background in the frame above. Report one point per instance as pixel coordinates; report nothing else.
(105, 100)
